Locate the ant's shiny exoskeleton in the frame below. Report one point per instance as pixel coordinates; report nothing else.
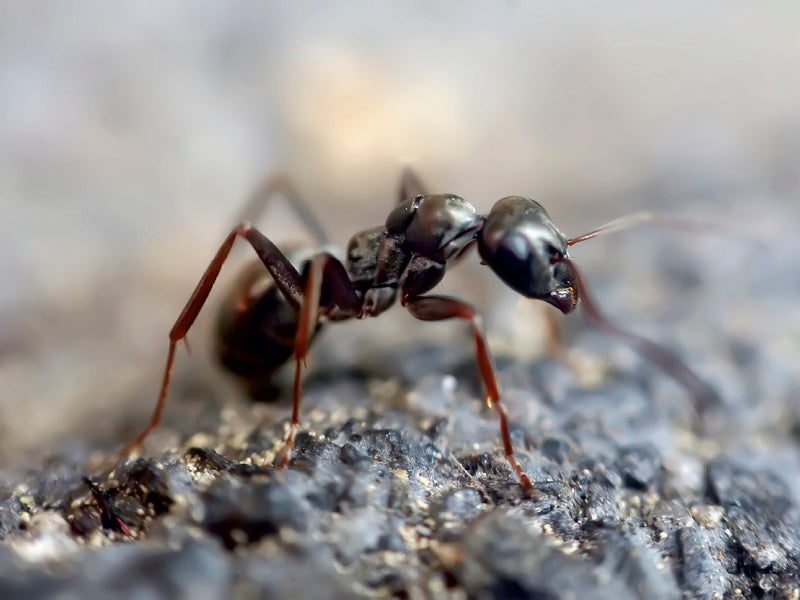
(275, 314)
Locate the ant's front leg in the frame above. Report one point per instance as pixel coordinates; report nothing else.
(704, 397)
(440, 308)
(325, 273)
(286, 277)
(588, 370)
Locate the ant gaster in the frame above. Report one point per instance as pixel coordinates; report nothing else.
(271, 317)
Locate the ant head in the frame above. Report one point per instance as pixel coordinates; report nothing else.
(525, 249)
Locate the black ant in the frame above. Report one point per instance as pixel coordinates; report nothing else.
(273, 317)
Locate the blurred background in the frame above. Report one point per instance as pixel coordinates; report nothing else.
(130, 134)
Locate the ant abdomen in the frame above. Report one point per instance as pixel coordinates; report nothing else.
(255, 330)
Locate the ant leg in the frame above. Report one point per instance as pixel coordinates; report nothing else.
(286, 277)
(325, 270)
(280, 184)
(552, 337)
(703, 395)
(410, 185)
(588, 371)
(440, 308)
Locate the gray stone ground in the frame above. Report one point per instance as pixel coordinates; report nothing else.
(397, 486)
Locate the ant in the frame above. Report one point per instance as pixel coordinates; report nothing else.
(274, 315)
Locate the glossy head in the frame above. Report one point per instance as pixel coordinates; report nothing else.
(525, 249)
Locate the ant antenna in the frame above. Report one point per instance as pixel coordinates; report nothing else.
(629, 221)
(675, 222)
(702, 395)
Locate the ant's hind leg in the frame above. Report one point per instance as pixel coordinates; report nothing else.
(286, 277)
(280, 184)
(440, 308)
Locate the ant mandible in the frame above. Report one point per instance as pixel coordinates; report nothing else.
(269, 319)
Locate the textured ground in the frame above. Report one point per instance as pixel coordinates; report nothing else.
(397, 486)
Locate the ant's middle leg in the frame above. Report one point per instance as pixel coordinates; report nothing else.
(325, 273)
(440, 308)
(286, 277)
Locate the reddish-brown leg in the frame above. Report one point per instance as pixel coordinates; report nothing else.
(589, 371)
(324, 267)
(552, 336)
(325, 270)
(703, 395)
(286, 278)
(279, 184)
(440, 308)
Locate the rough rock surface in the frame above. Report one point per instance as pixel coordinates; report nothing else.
(402, 490)
(398, 486)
